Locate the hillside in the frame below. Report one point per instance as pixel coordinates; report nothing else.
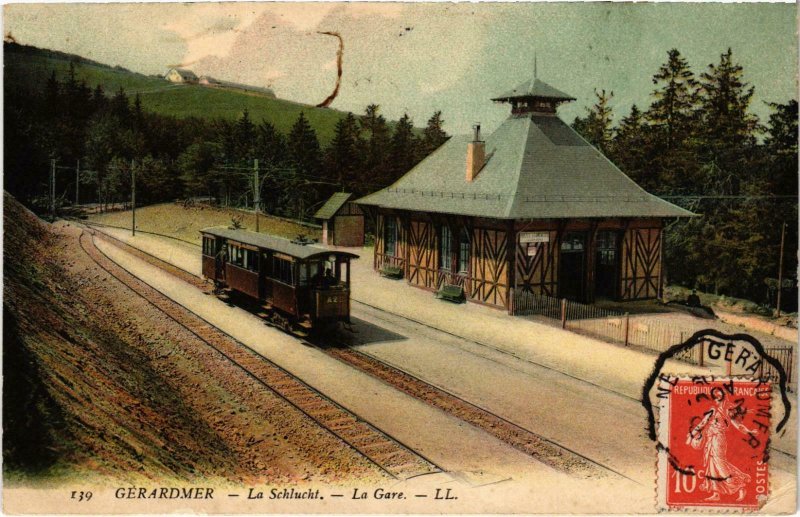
(25, 65)
(101, 387)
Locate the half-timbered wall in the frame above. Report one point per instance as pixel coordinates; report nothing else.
(641, 263)
(382, 259)
(495, 250)
(423, 254)
(489, 267)
(538, 273)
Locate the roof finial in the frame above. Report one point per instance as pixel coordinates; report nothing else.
(535, 71)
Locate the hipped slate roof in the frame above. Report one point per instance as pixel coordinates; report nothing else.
(332, 205)
(279, 244)
(538, 168)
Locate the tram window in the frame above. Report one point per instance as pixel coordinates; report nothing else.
(208, 246)
(236, 255)
(250, 260)
(282, 270)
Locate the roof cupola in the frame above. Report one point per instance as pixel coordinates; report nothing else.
(534, 96)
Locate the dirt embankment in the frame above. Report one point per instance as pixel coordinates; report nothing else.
(98, 383)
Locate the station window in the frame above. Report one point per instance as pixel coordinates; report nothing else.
(463, 251)
(282, 270)
(607, 247)
(390, 236)
(445, 248)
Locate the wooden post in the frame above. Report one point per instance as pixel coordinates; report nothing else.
(563, 313)
(53, 189)
(256, 190)
(133, 198)
(77, 181)
(627, 328)
(780, 270)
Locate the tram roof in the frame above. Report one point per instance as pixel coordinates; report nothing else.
(275, 243)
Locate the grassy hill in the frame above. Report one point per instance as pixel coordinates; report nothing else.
(32, 66)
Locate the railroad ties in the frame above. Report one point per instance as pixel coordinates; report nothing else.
(391, 456)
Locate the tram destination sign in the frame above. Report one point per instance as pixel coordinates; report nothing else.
(534, 237)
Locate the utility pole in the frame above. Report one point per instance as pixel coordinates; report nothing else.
(53, 189)
(780, 269)
(256, 190)
(77, 181)
(133, 198)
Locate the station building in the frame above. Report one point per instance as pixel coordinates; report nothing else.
(532, 208)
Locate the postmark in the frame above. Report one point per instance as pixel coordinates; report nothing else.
(713, 444)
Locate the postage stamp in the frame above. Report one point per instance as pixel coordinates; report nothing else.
(713, 448)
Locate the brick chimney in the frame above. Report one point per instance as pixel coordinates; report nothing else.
(476, 154)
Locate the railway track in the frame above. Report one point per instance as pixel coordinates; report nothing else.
(544, 450)
(388, 454)
(524, 440)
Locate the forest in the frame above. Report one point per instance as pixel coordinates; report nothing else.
(697, 144)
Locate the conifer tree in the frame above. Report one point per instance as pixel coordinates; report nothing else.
(404, 148)
(433, 136)
(672, 112)
(377, 144)
(630, 148)
(596, 127)
(343, 159)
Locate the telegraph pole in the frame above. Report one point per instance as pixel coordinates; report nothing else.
(780, 269)
(133, 198)
(256, 190)
(77, 181)
(53, 189)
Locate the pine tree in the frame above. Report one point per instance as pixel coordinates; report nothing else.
(672, 112)
(673, 121)
(728, 128)
(404, 148)
(343, 158)
(630, 148)
(270, 145)
(304, 149)
(377, 137)
(244, 139)
(305, 159)
(596, 127)
(433, 135)
(120, 106)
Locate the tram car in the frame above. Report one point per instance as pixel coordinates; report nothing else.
(300, 283)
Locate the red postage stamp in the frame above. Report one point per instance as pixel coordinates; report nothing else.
(713, 444)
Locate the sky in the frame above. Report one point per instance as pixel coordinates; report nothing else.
(417, 58)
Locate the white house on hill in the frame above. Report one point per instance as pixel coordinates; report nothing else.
(180, 75)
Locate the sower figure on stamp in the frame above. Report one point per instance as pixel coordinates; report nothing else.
(721, 476)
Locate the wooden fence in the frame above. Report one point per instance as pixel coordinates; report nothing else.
(634, 331)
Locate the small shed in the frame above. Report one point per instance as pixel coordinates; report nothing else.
(342, 221)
